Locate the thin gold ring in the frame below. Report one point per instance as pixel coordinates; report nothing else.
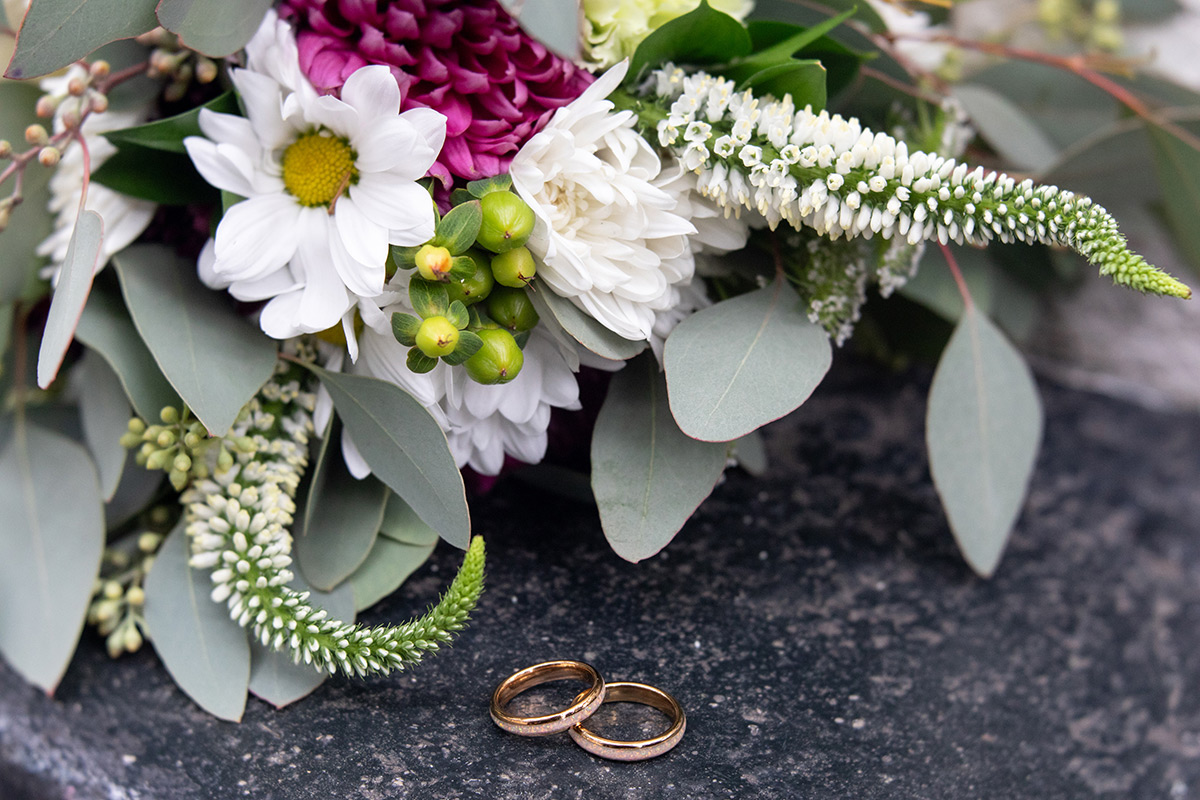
(617, 750)
(582, 707)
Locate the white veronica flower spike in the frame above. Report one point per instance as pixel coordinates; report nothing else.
(329, 184)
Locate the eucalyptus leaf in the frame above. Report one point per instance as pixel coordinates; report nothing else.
(582, 327)
(31, 221)
(751, 453)
(744, 362)
(386, 569)
(49, 549)
(701, 36)
(554, 23)
(403, 525)
(168, 134)
(57, 34)
(1011, 133)
(137, 488)
(104, 410)
(342, 516)
(647, 475)
(983, 427)
(216, 28)
(74, 285)
(274, 677)
(6, 324)
(106, 328)
(205, 651)
(1177, 164)
(405, 448)
(215, 359)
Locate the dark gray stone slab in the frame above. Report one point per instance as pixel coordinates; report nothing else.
(818, 626)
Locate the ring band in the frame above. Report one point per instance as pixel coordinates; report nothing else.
(616, 750)
(580, 709)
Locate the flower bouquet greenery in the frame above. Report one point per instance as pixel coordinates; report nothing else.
(284, 283)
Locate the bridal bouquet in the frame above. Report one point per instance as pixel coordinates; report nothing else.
(284, 283)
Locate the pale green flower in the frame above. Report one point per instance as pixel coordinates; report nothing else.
(613, 28)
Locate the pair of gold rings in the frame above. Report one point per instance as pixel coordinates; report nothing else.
(571, 718)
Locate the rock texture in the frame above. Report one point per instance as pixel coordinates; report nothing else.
(818, 627)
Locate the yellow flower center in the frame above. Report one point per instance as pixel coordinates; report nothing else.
(317, 168)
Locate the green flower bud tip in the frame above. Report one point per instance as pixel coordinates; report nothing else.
(507, 222)
(136, 596)
(157, 459)
(475, 288)
(498, 361)
(169, 415)
(515, 268)
(434, 263)
(166, 439)
(182, 463)
(113, 590)
(149, 541)
(512, 309)
(178, 479)
(137, 426)
(437, 337)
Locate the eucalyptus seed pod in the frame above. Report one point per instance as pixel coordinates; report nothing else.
(507, 222)
(515, 268)
(512, 309)
(498, 361)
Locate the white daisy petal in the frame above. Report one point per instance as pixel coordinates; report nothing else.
(215, 168)
(395, 205)
(363, 268)
(372, 92)
(244, 251)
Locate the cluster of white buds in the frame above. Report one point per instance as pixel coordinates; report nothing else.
(833, 175)
(238, 524)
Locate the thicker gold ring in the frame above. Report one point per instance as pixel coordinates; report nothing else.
(580, 709)
(617, 750)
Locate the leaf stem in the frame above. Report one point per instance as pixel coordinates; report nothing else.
(959, 280)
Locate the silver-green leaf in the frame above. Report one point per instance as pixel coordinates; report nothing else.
(205, 651)
(341, 519)
(104, 411)
(49, 549)
(386, 568)
(647, 475)
(742, 363)
(217, 28)
(582, 327)
(214, 358)
(71, 294)
(274, 677)
(405, 448)
(554, 23)
(106, 328)
(56, 34)
(983, 428)
(31, 221)
(402, 524)
(1011, 133)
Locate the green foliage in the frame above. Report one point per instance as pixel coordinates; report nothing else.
(212, 356)
(498, 183)
(457, 230)
(702, 36)
(583, 327)
(742, 363)
(406, 449)
(1011, 133)
(74, 285)
(54, 35)
(158, 175)
(49, 551)
(206, 654)
(1177, 164)
(31, 222)
(983, 427)
(104, 411)
(647, 475)
(342, 516)
(386, 567)
(168, 134)
(216, 28)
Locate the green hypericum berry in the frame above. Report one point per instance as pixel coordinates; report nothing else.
(498, 361)
(471, 290)
(512, 309)
(437, 337)
(514, 268)
(433, 262)
(507, 222)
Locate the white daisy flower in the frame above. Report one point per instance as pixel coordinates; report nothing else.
(483, 424)
(124, 217)
(330, 183)
(609, 236)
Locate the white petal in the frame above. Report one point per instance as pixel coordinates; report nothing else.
(430, 124)
(333, 114)
(204, 267)
(355, 463)
(373, 92)
(228, 129)
(397, 206)
(278, 317)
(215, 168)
(263, 99)
(390, 144)
(256, 237)
(366, 244)
(276, 283)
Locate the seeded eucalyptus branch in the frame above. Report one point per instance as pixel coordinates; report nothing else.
(240, 504)
(838, 178)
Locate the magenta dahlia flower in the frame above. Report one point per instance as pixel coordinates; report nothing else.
(467, 59)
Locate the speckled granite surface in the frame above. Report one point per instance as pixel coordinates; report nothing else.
(818, 627)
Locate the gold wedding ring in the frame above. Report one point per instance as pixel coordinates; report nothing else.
(617, 750)
(579, 710)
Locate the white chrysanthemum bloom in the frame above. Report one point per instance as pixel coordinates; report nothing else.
(606, 233)
(124, 217)
(612, 29)
(483, 424)
(330, 184)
